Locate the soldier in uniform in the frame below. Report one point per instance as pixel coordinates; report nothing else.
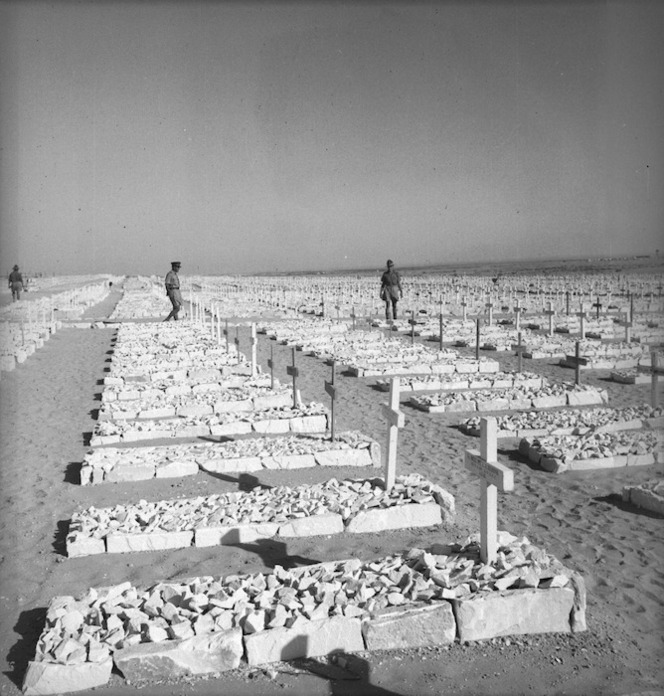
(16, 283)
(172, 283)
(390, 290)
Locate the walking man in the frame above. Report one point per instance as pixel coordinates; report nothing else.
(172, 283)
(16, 284)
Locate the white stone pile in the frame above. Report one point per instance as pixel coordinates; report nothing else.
(630, 376)
(114, 464)
(594, 450)
(18, 342)
(141, 299)
(307, 418)
(648, 495)
(513, 399)
(354, 506)
(572, 421)
(456, 381)
(207, 625)
(611, 356)
(202, 400)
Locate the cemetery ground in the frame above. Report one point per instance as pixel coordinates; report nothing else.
(47, 411)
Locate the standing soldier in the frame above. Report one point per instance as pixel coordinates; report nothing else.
(390, 290)
(16, 283)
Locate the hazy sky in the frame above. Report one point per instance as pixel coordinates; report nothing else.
(257, 136)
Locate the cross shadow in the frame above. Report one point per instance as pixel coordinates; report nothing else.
(275, 553)
(516, 456)
(60, 538)
(29, 627)
(87, 437)
(246, 482)
(616, 500)
(73, 473)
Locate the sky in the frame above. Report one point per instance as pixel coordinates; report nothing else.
(246, 137)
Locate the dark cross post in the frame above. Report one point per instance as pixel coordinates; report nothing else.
(627, 323)
(493, 477)
(520, 349)
(464, 306)
(440, 326)
(567, 303)
(550, 312)
(576, 361)
(353, 316)
(226, 333)
(477, 338)
(270, 364)
(412, 323)
(331, 390)
(294, 372)
(598, 306)
(237, 340)
(395, 420)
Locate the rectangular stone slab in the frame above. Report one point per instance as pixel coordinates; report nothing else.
(410, 627)
(239, 534)
(43, 678)
(153, 541)
(316, 525)
(397, 517)
(337, 633)
(514, 612)
(205, 654)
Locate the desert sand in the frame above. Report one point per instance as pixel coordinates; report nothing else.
(47, 409)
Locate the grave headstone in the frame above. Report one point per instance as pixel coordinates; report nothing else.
(294, 372)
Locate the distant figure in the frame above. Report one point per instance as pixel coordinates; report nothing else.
(173, 290)
(390, 290)
(16, 284)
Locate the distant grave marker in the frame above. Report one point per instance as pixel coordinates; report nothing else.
(294, 372)
(270, 364)
(655, 371)
(395, 420)
(550, 312)
(582, 316)
(519, 349)
(331, 391)
(493, 477)
(577, 361)
(254, 342)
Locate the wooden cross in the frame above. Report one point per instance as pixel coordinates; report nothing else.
(517, 311)
(627, 323)
(576, 360)
(567, 303)
(226, 333)
(550, 312)
(254, 342)
(655, 370)
(395, 420)
(464, 305)
(598, 305)
(477, 338)
(412, 323)
(353, 316)
(520, 349)
(440, 328)
(270, 364)
(489, 306)
(493, 477)
(582, 315)
(294, 372)
(331, 390)
(237, 340)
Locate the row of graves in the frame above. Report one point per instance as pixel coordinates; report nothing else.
(183, 379)
(27, 324)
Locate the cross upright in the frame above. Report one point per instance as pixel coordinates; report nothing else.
(550, 312)
(489, 306)
(353, 316)
(576, 361)
(517, 313)
(294, 372)
(226, 333)
(254, 342)
(598, 306)
(395, 420)
(655, 370)
(270, 364)
(412, 321)
(519, 349)
(464, 306)
(331, 390)
(237, 340)
(493, 477)
(440, 327)
(582, 315)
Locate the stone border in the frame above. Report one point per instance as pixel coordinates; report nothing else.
(366, 452)
(460, 366)
(646, 496)
(589, 397)
(537, 604)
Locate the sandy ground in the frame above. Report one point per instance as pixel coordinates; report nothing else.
(47, 410)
